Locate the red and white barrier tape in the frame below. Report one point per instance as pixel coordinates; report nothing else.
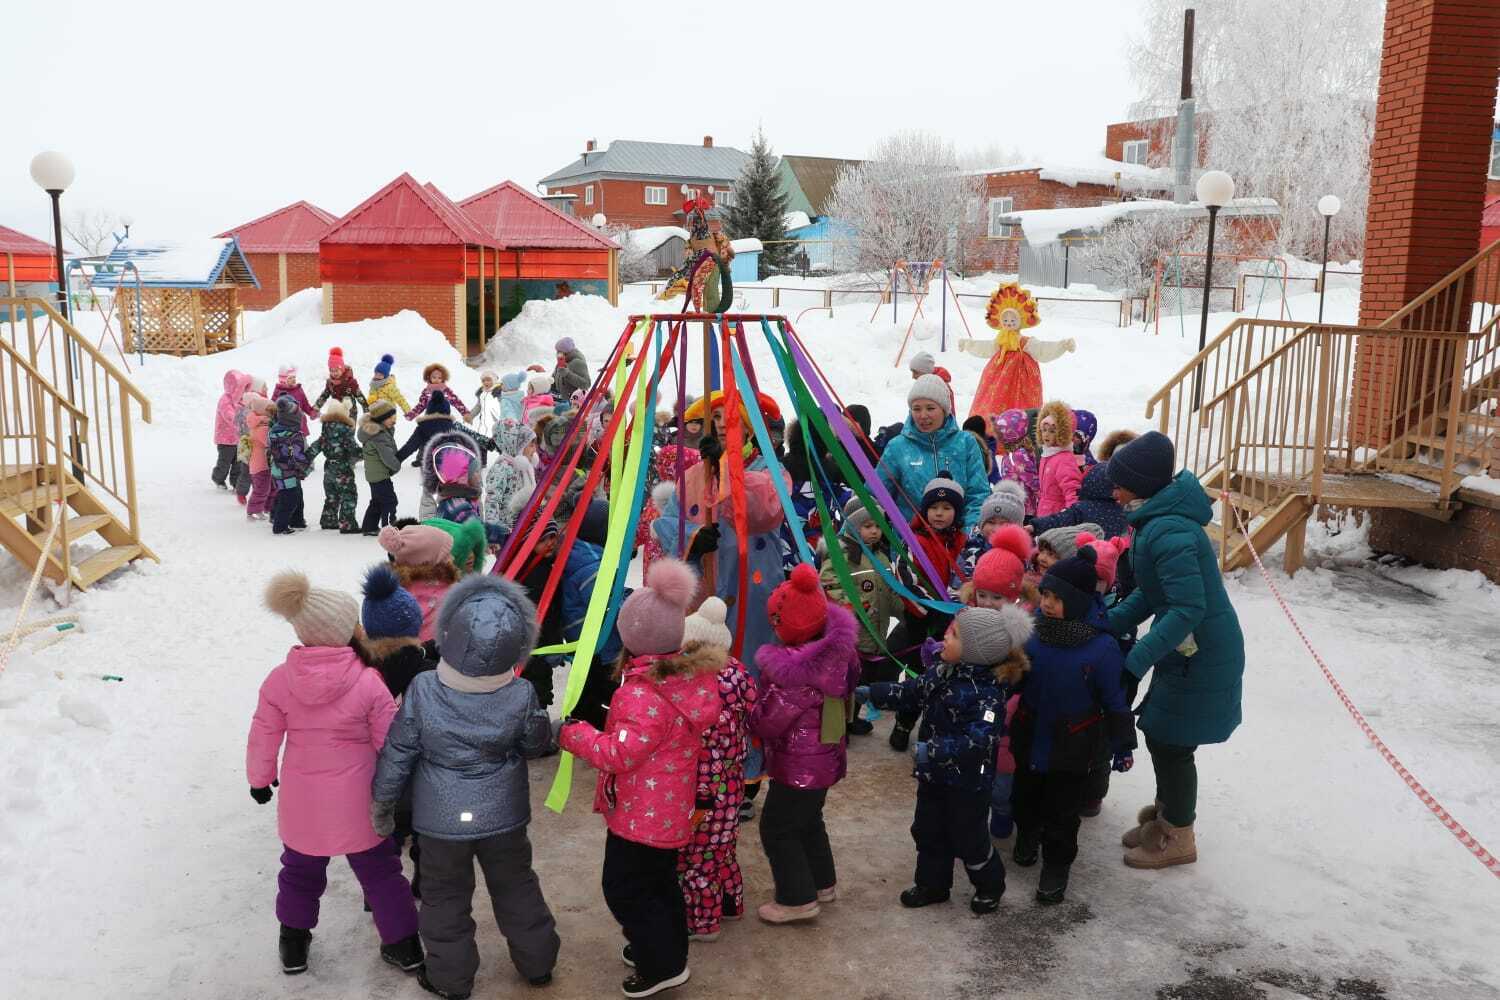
(1474, 847)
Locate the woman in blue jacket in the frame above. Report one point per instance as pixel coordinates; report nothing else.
(929, 443)
(1194, 644)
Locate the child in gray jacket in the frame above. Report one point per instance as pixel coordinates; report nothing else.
(462, 737)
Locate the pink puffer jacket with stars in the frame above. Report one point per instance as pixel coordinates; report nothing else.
(647, 755)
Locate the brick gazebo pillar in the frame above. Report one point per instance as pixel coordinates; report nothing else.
(1433, 123)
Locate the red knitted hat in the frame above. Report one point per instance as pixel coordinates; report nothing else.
(1107, 554)
(798, 608)
(1000, 570)
(336, 360)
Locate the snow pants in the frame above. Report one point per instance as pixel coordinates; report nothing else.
(286, 511)
(709, 866)
(515, 895)
(640, 887)
(1176, 781)
(796, 843)
(951, 824)
(260, 493)
(1045, 806)
(225, 463)
(304, 877)
(382, 508)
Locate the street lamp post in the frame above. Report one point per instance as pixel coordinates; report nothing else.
(1215, 189)
(53, 172)
(1328, 207)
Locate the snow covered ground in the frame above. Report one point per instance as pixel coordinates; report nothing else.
(135, 864)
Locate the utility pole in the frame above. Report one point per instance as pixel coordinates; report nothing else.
(1185, 142)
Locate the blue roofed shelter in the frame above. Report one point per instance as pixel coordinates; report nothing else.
(188, 292)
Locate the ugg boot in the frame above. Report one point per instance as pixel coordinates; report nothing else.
(1162, 846)
(1132, 837)
(775, 913)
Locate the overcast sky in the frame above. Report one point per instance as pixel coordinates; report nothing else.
(194, 117)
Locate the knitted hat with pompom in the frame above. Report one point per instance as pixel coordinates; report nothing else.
(990, 634)
(335, 360)
(1002, 568)
(387, 362)
(798, 609)
(1007, 502)
(706, 625)
(1107, 553)
(319, 616)
(389, 610)
(651, 620)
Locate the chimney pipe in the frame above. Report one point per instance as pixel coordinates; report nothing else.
(708, 142)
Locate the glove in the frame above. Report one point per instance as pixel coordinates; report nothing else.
(711, 448)
(1071, 344)
(931, 649)
(920, 750)
(262, 795)
(383, 817)
(1132, 686)
(1123, 761)
(862, 695)
(705, 540)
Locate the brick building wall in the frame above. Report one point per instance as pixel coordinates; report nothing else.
(1159, 132)
(436, 304)
(1027, 191)
(268, 271)
(301, 272)
(1470, 541)
(623, 202)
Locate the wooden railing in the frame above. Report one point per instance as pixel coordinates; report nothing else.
(100, 449)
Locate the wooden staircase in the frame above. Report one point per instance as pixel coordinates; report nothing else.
(1276, 418)
(67, 463)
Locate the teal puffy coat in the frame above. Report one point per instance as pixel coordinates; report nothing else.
(914, 458)
(1193, 699)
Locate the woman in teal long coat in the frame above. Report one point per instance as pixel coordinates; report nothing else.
(1194, 648)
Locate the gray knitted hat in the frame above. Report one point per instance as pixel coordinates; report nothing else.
(922, 363)
(1064, 541)
(989, 634)
(944, 489)
(855, 515)
(931, 388)
(1007, 501)
(486, 625)
(319, 616)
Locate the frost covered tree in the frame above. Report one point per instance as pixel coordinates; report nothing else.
(635, 263)
(1285, 94)
(911, 200)
(91, 230)
(759, 207)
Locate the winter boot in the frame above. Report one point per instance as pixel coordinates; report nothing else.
(405, 954)
(639, 986)
(445, 994)
(1132, 837)
(1027, 847)
(920, 895)
(1091, 808)
(829, 895)
(860, 727)
(293, 946)
(900, 738)
(775, 913)
(1163, 845)
(1052, 887)
(986, 902)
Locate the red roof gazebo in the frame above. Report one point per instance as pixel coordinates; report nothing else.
(282, 246)
(25, 261)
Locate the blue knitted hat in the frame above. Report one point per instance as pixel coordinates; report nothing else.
(438, 404)
(389, 611)
(384, 367)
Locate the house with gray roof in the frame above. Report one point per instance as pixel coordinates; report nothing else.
(639, 184)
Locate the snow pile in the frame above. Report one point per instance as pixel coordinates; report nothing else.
(650, 238)
(747, 245)
(1099, 170)
(795, 220)
(304, 308)
(191, 262)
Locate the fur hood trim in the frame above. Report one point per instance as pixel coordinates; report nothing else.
(337, 413)
(693, 658)
(369, 428)
(445, 571)
(1011, 669)
(377, 650)
(1063, 415)
(1112, 441)
(821, 663)
(436, 366)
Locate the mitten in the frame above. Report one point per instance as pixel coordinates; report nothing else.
(931, 650)
(383, 817)
(262, 795)
(862, 695)
(1123, 761)
(705, 540)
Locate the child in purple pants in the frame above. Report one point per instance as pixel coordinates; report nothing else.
(332, 712)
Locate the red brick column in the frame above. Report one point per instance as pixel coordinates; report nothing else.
(1428, 161)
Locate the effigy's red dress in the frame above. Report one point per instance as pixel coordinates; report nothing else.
(1012, 380)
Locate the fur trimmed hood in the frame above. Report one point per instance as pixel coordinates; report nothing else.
(1113, 441)
(693, 658)
(436, 366)
(443, 440)
(445, 571)
(821, 663)
(1062, 414)
(1011, 669)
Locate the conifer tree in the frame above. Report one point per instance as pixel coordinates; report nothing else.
(759, 208)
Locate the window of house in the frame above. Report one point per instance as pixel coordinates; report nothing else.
(1495, 160)
(588, 194)
(656, 195)
(1000, 207)
(725, 197)
(1135, 151)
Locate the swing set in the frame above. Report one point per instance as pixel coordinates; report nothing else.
(919, 276)
(1169, 273)
(650, 354)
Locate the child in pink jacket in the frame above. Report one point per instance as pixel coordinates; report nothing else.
(287, 385)
(258, 421)
(424, 564)
(647, 757)
(1060, 471)
(226, 428)
(332, 712)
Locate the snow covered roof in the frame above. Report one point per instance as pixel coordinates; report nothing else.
(747, 245)
(293, 228)
(650, 238)
(1045, 225)
(192, 264)
(795, 220)
(1100, 170)
(12, 241)
(657, 160)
